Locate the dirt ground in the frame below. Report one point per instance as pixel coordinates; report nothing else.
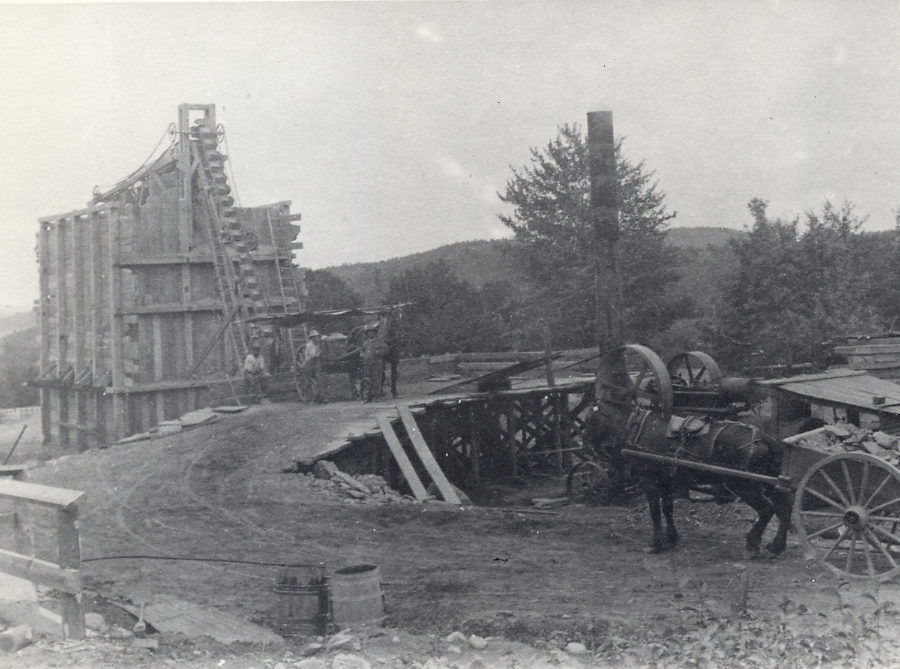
(568, 587)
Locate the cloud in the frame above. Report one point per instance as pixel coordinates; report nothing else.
(426, 32)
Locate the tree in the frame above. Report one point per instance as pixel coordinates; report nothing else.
(550, 200)
(449, 315)
(19, 353)
(327, 291)
(792, 290)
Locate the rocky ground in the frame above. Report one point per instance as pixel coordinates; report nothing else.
(498, 585)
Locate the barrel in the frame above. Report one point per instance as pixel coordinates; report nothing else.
(356, 596)
(301, 610)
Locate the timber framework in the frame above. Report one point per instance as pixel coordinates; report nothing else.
(149, 295)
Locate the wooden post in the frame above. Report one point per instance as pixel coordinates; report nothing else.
(474, 441)
(114, 305)
(604, 208)
(511, 429)
(70, 558)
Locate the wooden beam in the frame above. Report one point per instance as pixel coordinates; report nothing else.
(59, 498)
(40, 571)
(156, 386)
(425, 455)
(406, 467)
(69, 545)
(171, 308)
(115, 303)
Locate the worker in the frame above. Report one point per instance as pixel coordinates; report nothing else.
(373, 351)
(311, 364)
(255, 375)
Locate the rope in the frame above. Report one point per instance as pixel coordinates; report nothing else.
(167, 131)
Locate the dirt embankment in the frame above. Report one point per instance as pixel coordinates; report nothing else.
(530, 583)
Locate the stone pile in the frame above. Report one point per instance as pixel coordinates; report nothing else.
(364, 488)
(847, 438)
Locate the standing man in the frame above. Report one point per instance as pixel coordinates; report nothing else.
(312, 364)
(254, 375)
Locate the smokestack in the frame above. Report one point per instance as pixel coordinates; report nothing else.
(604, 208)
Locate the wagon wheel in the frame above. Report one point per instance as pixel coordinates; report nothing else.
(847, 514)
(589, 482)
(694, 369)
(635, 375)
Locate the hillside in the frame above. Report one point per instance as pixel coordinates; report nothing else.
(487, 261)
(12, 320)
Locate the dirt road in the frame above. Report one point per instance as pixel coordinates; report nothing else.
(578, 574)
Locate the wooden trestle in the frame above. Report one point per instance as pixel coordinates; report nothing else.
(479, 437)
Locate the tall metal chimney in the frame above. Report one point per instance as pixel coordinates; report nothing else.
(604, 209)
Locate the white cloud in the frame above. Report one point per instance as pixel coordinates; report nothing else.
(426, 32)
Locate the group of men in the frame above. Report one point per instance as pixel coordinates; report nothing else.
(366, 367)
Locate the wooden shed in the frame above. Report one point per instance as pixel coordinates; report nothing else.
(148, 295)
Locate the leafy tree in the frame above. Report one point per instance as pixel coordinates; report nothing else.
(792, 290)
(328, 291)
(449, 315)
(19, 353)
(550, 200)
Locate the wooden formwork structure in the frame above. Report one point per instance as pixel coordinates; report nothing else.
(480, 437)
(147, 295)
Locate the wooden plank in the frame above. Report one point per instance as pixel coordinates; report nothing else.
(59, 498)
(69, 545)
(119, 418)
(40, 571)
(425, 455)
(154, 387)
(171, 308)
(158, 372)
(409, 473)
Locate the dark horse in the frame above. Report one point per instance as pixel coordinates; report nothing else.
(729, 444)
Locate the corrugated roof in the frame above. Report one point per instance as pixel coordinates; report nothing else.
(843, 386)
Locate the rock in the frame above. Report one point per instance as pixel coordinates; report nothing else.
(279, 665)
(477, 664)
(15, 638)
(477, 642)
(121, 633)
(348, 661)
(455, 637)
(839, 431)
(352, 482)
(340, 640)
(310, 663)
(311, 648)
(356, 493)
(95, 621)
(575, 648)
(146, 644)
(885, 440)
(324, 469)
(453, 648)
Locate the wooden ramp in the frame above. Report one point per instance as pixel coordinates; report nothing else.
(424, 453)
(409, 473)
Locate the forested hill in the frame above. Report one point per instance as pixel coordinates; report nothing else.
(481, 262)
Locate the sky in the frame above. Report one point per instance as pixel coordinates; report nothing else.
(392, 126)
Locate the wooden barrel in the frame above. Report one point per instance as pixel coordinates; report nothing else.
(301, 610)
(356, 596)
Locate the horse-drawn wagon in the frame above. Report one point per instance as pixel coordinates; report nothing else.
(654, 422)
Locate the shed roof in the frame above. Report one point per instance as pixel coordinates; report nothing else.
(843, 386)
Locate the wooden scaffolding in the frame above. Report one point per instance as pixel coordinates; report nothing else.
(148, 295)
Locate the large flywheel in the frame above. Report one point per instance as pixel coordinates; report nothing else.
(634, 375)
(694, 369)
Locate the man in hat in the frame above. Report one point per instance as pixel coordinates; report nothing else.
(255, 374)
(312, 363)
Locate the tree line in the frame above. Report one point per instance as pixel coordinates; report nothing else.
(794, 285)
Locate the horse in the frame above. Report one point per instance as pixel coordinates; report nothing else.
(731, 444)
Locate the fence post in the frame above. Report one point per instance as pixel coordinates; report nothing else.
(70, 558)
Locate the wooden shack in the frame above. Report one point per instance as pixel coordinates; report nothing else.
(148, 295)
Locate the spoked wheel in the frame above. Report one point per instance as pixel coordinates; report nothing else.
(694, 369)
(847, 514)
(634, 374)
(589, 483)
